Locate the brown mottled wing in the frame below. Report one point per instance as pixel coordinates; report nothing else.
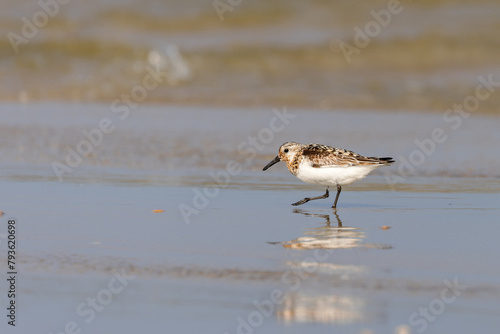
(327, 156)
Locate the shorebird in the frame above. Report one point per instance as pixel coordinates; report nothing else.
(325, 165)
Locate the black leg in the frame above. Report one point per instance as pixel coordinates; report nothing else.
(307, 199)
(339, 222)
(339, 189)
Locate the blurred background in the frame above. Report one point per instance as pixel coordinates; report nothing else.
(254, 53)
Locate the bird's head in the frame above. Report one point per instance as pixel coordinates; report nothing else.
(286, 153)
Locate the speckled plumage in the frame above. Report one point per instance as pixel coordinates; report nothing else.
(326, 165)
(324, 156)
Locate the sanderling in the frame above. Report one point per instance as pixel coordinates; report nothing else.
(326, 166)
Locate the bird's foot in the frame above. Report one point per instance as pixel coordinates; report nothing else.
(302, 201)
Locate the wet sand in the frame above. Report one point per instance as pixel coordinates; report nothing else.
(247, 261)
(183, 144)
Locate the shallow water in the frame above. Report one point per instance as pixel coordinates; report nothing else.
(241, 258)
(426, 57)
(336, 271)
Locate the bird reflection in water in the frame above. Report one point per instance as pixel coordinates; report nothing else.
(322, 297)
(342, 309)
(332, 235)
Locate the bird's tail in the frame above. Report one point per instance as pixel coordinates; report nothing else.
(386, 160)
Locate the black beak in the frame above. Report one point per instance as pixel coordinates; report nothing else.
(275, 160)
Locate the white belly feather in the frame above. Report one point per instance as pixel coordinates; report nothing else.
(333, 175)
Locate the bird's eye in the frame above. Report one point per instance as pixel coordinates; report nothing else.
(286, 150)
